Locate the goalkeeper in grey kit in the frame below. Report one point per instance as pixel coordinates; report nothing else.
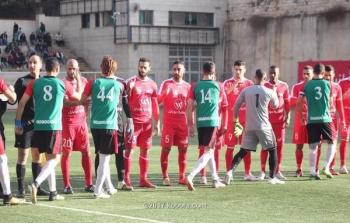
(258, 129)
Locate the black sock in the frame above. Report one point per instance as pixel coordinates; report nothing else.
(97, 161)
(119, 163)
(21, 172)
(1, 191)
(36, 169)
(272, 162)
(238, 158)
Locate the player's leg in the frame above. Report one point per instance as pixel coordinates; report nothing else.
(166, 142)
(203, 172)
(319, 152)
(343, 149)
(280, 134)
(212, 164)
(300, 138)
(181, 140)
(328, 133)
(182, 162)
(22, 156)
(119, 158)
(65, 168)
(263, 159)
(230, 142)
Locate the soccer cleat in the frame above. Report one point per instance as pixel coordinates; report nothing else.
(333, 172)
(182, 181)
(101, 196)
(275, 180)
(112, 191)
(42, 192)
(227, 179)
(315, 177)
(327, 173)
(189, 184)
(68, 190)
(54, 196)
(299, 173)
(250, 177)
(343, 170)
(203, 180)
(261, 176)
(20, 194)
(280, 176)
(33, 191)
(218, 184)
(166, 181)
(13, 201)
(147, 184)
(90, 188)
(127, 186)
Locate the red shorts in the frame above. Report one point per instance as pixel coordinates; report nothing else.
(75, 138)
(176, 134)
(280, 132)
(220, 142)
(300, 135)
(335, 130)
(346, 132)
(142, 136)
(2, 146)
(230, 139)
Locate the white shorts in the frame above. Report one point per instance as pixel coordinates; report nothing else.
(265, 137)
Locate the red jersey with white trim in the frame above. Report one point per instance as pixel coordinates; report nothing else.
(140, 94)
(233, 88)
(3, 86)
(278, 115)
(173, 95)
(345, 88)
(74, 115)
(336, 102)
(300, 118)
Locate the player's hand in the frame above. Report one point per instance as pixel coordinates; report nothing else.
(129, 126)
(287, 122)
(156, 129)
(18, 127)
(238, 129)
(191, 131)
(11, 88)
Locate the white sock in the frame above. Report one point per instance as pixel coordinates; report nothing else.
(47, 169)
(101, 172)
(312, 158)
(51, 179)
(200, 164)
(212, 167)
(4, 175)
(331, 150)
(108, 181)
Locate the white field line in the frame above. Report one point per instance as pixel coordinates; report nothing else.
(101, 213)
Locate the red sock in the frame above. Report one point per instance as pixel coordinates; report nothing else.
(164, 163)
(333, 162)
(201, 152)
(182, 161)
(127, 167)
(247, 163)
(86, 163)
(143, 162)
(279, 157)
(217, 159)
(318, 157)
(263, 159)
(342, 150)
(65, 167)
(299, 158)
(228, 158)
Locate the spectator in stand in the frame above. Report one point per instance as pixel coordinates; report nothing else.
(15, 29)
(59, 39)
(48, 39)
(60, 57)
(3, 39)
(32, 38)
(42, 27)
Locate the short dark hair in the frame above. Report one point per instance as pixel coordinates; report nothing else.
(181, 62)
(259, 73)
(239, 63)
(308, 67)
(318, 68)
(329, 68)
(144, 60)
(208, 67)
(274, 67)
(51, 64)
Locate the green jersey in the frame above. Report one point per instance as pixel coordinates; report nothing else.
(317, 93)
(48, 93)
(105, 99)
(207, 94)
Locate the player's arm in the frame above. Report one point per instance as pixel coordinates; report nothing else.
(11, 95)
(340, 109)
(286, 99)
(20, 108)
(162, 93)
(224, 112)
(293, 98)
(155, 114)
(190, 116)
(237, 106)
(76, 94)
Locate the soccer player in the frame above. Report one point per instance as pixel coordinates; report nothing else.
(48, 93)
(173, 95)
(207, 94)
(279, 119)
(24, 141)
(105, 92)
(142, 97)
(75, 133)
(257, 99)
(317, 93)
(335, 107)
(8, 199)
(345, 87)
(233, 87)
(300, 120)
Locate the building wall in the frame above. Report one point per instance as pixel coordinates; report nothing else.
(286, 31)
(28, 26)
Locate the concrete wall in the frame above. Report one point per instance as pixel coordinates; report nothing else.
(52, 23)
(285, 32)
(28, 26)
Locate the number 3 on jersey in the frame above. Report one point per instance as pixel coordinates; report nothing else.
(102, 96)
(318, 93)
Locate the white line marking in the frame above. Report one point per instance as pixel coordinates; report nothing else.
(101, 213)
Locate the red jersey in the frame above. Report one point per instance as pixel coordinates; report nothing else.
(174, 97)
(233, 88)
(345, 88)
(141, 95)
(3, 86)
(299, 117)
(74, 115)
(278, 115)
(336, 102)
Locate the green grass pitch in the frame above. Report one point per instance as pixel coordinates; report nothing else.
(299, 200)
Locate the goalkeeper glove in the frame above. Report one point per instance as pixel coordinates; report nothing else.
(238, 129)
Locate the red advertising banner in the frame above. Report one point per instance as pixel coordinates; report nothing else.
(341, 67)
